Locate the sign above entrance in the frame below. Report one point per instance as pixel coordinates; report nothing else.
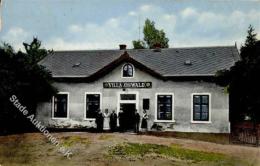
(127, 84)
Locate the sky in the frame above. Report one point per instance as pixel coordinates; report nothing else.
(104, 24)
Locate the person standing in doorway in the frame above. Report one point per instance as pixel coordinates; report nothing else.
(113, 121)
(136, 121)
(144, 121)
(106, 120)
(121, 120)
(99, 121)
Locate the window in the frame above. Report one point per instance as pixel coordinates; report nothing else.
(125, 99)
(165, 107)
(60, 106)
(92, 105)
(201, 107)
(127, 96)
(146, 104)
(128, 70)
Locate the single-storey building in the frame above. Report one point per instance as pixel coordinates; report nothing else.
(175, 85)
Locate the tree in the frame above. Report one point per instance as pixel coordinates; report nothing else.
(138, 44)
(35, 52)
(251, 37)
(152, 37)
(21, 75)
(250, 42)
(242, 81)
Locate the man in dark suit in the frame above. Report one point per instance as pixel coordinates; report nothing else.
(136, 121)
(113, 121)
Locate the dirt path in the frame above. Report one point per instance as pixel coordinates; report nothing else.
(92, 149)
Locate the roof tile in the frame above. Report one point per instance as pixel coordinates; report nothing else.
(167, 62)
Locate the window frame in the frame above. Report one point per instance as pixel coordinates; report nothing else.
(156, 107)
(85, 103)
(68, 107)
(122, 70)
(119, 101)
(192, 108)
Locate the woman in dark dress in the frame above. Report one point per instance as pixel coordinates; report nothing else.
(144, 121)
(99, 121)
(121, 119)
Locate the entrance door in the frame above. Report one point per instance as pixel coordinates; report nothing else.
(128, 102)
(129, 113)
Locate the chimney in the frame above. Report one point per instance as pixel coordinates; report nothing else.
(157, 47)
(122, 46)
(188, 62)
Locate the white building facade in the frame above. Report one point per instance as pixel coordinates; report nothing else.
(185, 102)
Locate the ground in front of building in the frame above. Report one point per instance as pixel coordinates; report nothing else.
(121, 149)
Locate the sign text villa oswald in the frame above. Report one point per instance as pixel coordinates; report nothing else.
(127, 84)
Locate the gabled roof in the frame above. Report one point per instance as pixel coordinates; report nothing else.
(170, 62)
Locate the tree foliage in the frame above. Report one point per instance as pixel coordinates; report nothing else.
(152, 37)
(247, 51)
(138, 44)
(35, 52)
(21, 75)
(242, 81)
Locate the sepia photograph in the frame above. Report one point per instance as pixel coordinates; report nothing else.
(129, 83)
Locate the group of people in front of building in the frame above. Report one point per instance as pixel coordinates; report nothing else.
(108, 121)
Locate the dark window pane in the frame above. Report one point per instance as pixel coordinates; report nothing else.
(128, 70)
(204, 108)
(197, 108)
(60, 105)
(93, 97)
(125, 68)
(196, 99)
(201, 107)
(127, 96)
(205, 99)
(197, 116)
(164, 107)
(92, 105)
(204, 116)
(146, 104)
(205, 112)
(125, 73)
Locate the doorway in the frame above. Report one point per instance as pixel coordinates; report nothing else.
(128, 103)
(129, 115)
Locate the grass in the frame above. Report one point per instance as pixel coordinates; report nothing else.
(108, 149)
(174, 151)
(72, 140)
(105, 137)
(215, 138)
(208, 137)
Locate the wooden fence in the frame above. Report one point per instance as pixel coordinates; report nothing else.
(245, 133)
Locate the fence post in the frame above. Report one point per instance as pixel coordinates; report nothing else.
(257, 135)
